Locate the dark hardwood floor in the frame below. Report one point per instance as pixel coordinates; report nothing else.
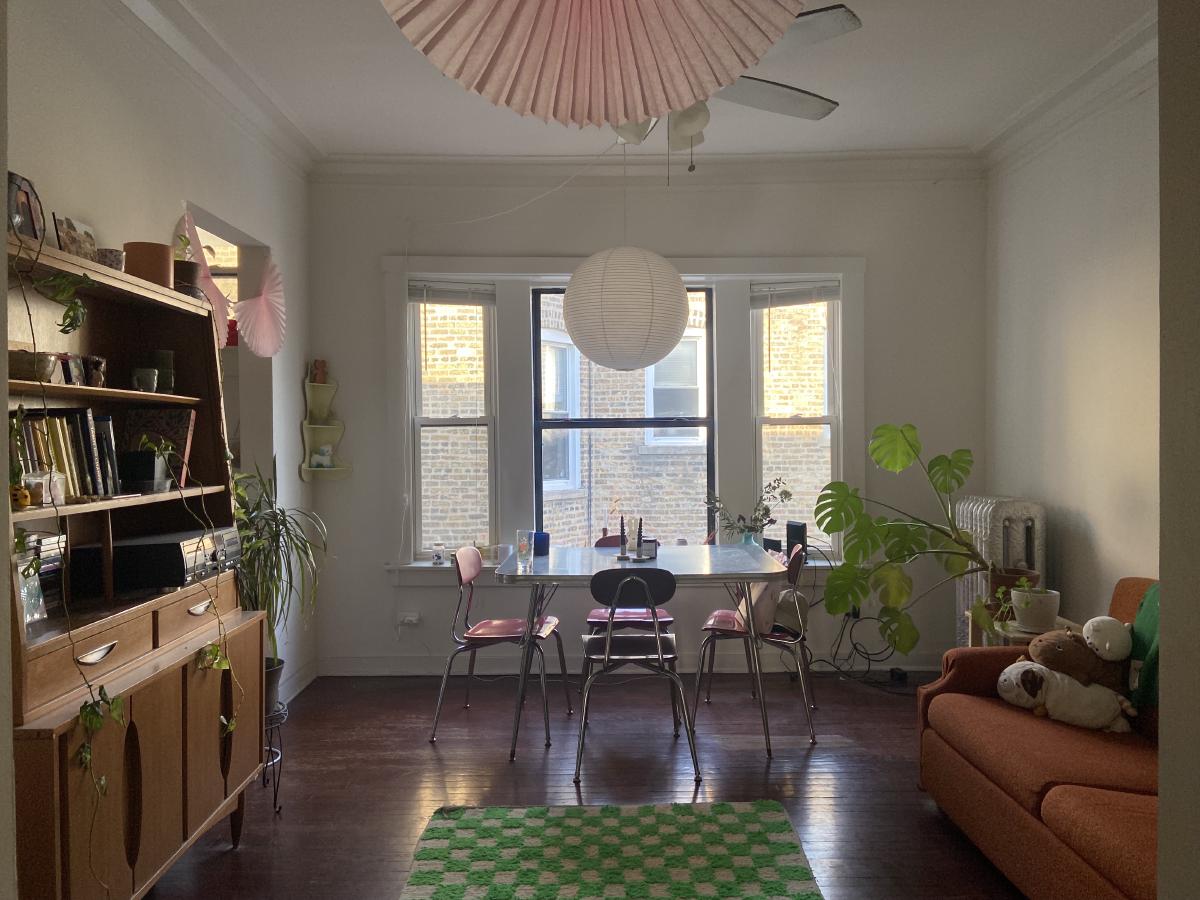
(360, 780)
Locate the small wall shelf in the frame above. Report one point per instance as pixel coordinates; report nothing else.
(320, 429)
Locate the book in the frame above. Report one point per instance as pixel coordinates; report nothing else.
(108, 453)
(87, 425)
(158, 424)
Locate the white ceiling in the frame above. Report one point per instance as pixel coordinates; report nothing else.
(919, 75)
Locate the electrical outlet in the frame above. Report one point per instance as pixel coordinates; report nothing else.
(408, 619)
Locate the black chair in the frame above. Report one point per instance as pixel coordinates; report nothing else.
(620, 589)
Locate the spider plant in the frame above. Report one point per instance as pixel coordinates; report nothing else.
(281, 552)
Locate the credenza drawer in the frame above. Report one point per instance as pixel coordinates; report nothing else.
(57, 673)
(194, 610)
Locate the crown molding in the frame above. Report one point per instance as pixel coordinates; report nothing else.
(609, 170)
(201, 57)
(1125, 68)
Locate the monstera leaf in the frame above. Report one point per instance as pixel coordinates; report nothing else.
(861, 540)
(948, 474)
(903, 540)
(846, 588)
(952, 563)
(897, 628)
(894, 447)
(838, 507)
(892, 584)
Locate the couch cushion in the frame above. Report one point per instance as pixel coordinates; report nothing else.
(1026, 755)
(1113, 831)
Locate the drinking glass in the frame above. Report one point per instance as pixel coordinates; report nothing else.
(524, 549)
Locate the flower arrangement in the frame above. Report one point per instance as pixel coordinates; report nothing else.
(774, 492)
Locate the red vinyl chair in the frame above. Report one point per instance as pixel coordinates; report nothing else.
(729, 624)
(468, 565)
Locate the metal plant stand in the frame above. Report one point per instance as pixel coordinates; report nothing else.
(273, 763)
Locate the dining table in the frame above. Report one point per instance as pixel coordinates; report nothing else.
(739, 568)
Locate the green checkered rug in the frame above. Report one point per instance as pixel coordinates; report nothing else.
(676, 850)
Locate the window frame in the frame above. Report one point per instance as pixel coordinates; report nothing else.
(579, 423)
(419, 422)
(834, 416)
(653, 440)
(561, 341)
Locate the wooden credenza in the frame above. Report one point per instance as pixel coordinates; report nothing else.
(171, 773)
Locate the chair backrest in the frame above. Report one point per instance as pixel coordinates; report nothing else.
(625, 588)
(795, 563)
(1127, 595)
(711, 539)
(608, 540)
(468, 563)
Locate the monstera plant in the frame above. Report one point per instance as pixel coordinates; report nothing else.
(880, 541)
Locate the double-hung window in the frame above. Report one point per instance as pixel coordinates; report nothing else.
(609, 444)
(453, 426)
(797, 392)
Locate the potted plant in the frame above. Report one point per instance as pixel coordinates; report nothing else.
(281, 549)
(187, 267)
(749, 530)
(1035, 609)
(880, 541)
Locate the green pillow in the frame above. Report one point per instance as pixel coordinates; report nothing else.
(1143, 660)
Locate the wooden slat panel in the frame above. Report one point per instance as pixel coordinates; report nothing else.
(105, 862)
(38, 869)
(246, 657)
(157, 717)
(205, 781)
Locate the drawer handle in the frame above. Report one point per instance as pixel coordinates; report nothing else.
(94, 656)
(200, 608)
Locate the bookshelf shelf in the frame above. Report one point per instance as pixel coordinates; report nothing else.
(77, 509)
(87, 395)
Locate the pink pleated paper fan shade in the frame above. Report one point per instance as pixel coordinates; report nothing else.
(262, 320)
(594, 62)
(220, 303)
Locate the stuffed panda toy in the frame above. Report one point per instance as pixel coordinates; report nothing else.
(1048, 693)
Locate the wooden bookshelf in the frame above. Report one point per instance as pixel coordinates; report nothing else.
(79, 509)
(81, 395)
(141, 645)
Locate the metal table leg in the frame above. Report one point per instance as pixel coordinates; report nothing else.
(756, 663)
(535, 596)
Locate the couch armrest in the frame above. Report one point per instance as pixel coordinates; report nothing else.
(966, 670)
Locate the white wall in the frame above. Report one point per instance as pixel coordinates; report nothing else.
(923, 242)
(124, 140)
(1073, 346)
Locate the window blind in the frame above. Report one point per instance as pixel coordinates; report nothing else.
(794, 293)
(460, 293)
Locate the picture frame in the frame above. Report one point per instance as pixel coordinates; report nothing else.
(75, 237)
(25, 215)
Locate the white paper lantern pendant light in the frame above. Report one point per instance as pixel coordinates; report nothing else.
(625, 308)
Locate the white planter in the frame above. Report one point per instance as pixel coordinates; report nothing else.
(1035, 610)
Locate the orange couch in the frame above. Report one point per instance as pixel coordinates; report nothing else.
(1064, 812)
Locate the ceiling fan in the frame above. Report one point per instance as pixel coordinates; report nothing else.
(685, 128)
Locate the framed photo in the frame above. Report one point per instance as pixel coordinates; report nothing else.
(25, 216)
(75, 237)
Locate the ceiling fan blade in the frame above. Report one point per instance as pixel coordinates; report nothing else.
(822, 24)
(771, 96)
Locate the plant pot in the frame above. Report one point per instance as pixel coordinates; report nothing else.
(1006, 580)
(187, 278)
(1034, 610)
(150, 261)
(273, 669)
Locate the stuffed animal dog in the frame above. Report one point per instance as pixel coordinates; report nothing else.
(1067, 652)
(1062, 698)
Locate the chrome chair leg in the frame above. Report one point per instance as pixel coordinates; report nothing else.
(562, 668)
(750, 668)
(545, 695)
(674, 704)
(688, 722)
(807, 656)
(705, 646)
(800, 669)
(583, 717)
(712, 658)
(437, 713)
(756, 675)
(470, 676)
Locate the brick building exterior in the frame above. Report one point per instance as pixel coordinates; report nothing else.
(594, 476)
